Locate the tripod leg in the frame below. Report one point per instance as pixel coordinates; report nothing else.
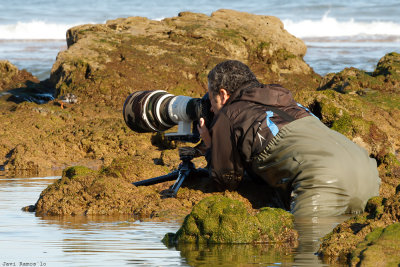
(173, 190)
(168, 177)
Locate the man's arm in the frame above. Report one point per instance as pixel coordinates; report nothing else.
(226, 167)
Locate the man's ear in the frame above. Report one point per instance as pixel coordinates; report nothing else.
(224, 95)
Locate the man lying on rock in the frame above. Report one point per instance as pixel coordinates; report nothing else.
(260, 131)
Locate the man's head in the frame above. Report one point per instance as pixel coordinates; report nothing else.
(224, 79)
(230, 75)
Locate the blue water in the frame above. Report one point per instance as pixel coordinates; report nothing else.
(338, 33)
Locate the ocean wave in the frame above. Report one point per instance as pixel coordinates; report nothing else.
(34, 30)
(329, 27)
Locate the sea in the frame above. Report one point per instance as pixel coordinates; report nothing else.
(338, 34)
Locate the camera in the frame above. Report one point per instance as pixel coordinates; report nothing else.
(158, 111)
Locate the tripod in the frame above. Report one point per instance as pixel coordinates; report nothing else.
(185, 169)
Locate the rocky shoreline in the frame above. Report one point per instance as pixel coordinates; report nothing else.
(104, 63)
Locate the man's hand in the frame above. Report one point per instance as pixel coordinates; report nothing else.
(204, 133)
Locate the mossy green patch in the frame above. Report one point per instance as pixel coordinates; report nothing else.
(389, 65)
(343, 124)
(381, 247)
(375, 207)
(283, 54)
(72, 172)
(229, 34)
(350, 240)
(219, 219)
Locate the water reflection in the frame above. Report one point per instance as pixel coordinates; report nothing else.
(75, 241)
(236, 255)
(118, 241)
(304, 254)
(311, 230)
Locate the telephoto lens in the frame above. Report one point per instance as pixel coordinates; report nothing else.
(157, 111)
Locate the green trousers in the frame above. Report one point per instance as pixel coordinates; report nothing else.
(324, 172)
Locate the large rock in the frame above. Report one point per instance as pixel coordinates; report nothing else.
(109, 191)
(365, 107)
(381, 247)
(11, 77)
(20, 86)
(106, 62)
(218, 219)
(386, 77)
(349, 240)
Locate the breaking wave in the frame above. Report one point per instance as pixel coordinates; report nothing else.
(329, 27)
(34, 30)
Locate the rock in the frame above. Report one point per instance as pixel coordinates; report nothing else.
(381, 247)
(388, 69)
(106, 62)
(19, 85)
(109, 191)
(385, 77)
(351, 239)
(11, 77)
(219, 219)
(364, 107)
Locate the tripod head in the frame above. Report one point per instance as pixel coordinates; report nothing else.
(188, 153)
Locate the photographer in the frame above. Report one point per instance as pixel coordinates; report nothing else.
(260, 131)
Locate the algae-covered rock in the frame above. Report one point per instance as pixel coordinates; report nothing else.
(385, 77)
(11, 77)
(219, 219)
(389, 68)
(381, 247)
(109, 191)
(349, 239)
(367, 107)
(107, 62)
(19, 85)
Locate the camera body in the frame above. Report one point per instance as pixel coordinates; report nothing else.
(158, 111)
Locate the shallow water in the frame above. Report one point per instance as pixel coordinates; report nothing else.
(105, 241)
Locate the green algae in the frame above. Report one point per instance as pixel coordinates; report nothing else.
(389, 65)
(219, 219)
(349, 240)
(75, 171)
(381, 247)
(375, 207)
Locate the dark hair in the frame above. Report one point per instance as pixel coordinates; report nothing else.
(230, 75)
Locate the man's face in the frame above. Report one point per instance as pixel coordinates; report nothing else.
(216, 102)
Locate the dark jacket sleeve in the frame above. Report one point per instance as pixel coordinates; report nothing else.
(226, 168)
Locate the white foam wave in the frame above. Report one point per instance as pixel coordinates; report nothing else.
(331, 27)
(34, 30)
(326, 27)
